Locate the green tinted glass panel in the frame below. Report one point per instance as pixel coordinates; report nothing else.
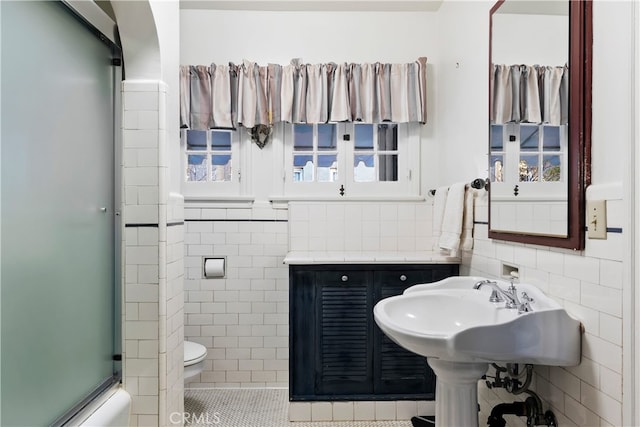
(58, 217)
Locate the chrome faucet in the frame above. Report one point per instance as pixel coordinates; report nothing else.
(510, 295)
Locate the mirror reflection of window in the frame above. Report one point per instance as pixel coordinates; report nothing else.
(497, 153)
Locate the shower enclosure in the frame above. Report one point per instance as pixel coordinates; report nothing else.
(59, 226)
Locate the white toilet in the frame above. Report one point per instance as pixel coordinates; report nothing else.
(194, 355)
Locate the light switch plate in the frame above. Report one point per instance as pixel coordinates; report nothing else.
(597, 219)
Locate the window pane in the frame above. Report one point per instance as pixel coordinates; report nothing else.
(528, 168)
(303, 137)
(529, 138)
(303, 170)
(551, 140)
(221, 167)
(551, 171)
(196, 168)
(363, 168)
(196, 140)
(363, 137)
(326, 137)
(327, 168)
(387, 137)
(495, 168)
(221, 140)
(388, 167)
(496, 138)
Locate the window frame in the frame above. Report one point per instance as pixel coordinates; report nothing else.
(408, 151)
(215, 189)
(511, 152)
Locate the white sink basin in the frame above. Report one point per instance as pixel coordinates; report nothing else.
(449, 320)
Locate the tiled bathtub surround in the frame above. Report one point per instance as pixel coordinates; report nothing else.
(589, 284)
(153, 267)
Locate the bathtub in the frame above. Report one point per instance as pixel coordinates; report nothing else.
(112, 409)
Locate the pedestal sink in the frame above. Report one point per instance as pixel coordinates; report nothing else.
(461, 332)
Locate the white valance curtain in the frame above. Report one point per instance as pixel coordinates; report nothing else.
(530, 94)
(226, 96)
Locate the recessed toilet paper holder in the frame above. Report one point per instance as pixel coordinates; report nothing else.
(214, 267)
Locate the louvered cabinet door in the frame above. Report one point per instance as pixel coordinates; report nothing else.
(344, 363)
(399, 371)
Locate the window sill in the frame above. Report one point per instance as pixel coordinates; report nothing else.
(218, 201)
(284, 200)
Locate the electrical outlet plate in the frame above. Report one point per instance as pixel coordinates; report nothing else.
(597, 219)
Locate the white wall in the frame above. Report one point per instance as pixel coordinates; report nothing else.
(277, 37)
(243, 319)
(216, 36)
(165, 14)
(530, 39)
(589, 283)
(462, 91)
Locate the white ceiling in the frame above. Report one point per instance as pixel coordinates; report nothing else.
(314, 5)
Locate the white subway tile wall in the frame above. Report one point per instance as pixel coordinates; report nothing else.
(589, 285)
(153, 316)
(243, 318)
(365, 227)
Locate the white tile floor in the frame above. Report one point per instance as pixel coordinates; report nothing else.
(254, 408)
(269, 408)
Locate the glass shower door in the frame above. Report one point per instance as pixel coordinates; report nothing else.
(57, 212)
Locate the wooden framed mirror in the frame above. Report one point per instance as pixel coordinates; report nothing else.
(540, 121)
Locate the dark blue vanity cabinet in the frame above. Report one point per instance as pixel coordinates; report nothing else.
(337, 352)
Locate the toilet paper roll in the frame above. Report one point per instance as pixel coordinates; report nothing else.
(213, 267)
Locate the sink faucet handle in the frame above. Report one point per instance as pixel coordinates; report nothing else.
(495, 296)
(526, 297)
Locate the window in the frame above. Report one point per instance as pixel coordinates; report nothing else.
(375, 155)
(315, 153)
(529, 159)
(343, 159)
(212, 162)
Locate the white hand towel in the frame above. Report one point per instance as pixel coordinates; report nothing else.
(439, 202)
(466, 239)
(452, 220)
